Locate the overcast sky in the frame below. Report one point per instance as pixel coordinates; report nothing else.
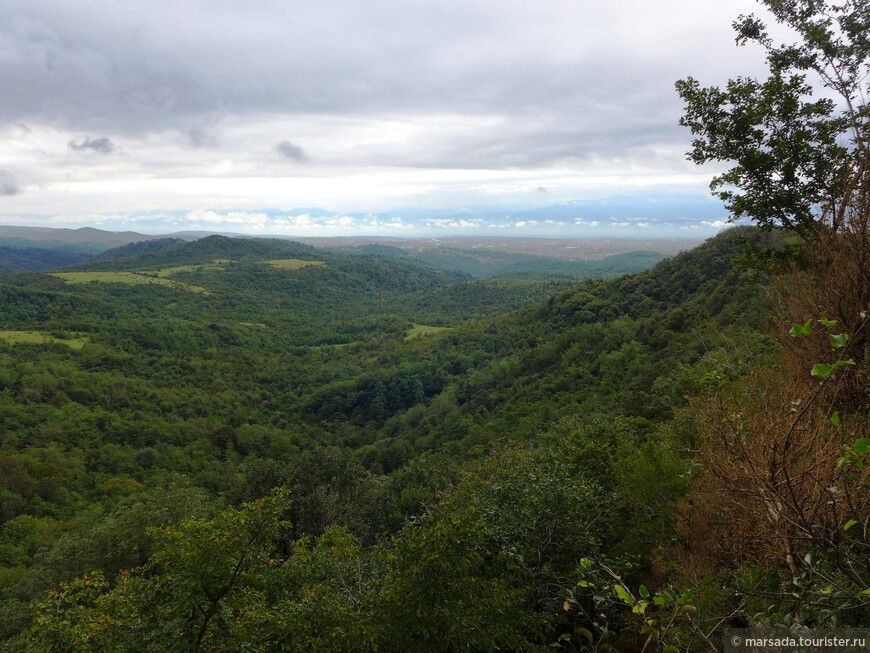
(214, 114)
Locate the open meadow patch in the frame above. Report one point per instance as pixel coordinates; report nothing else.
(422, 330)
(292, 263)
(127, 278)
(162, 273)
(41, 338)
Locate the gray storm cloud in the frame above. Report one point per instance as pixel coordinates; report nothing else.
(8, 184)
(100, 145)
(453, 101)
(176, 64)
(292, 151)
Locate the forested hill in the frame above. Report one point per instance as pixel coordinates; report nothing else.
(620, 347)
(491, 262)
(168, 290)
(179, 379)
(172, 251)
(20, 259)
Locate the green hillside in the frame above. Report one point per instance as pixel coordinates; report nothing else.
(22, 259)
(486, 263)
(291, 436)
(453, 444)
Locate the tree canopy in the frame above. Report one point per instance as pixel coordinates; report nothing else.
(799, 139)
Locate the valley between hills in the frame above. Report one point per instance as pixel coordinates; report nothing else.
(244, 437)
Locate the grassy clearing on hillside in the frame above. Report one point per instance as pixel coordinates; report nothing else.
(292, 263)
(40, 338)
(128, 278)
(218, 264)
(421, 330)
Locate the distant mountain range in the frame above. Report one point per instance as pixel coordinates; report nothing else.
(25, 249)
(481, 242)
(85, 236)
(83, 240)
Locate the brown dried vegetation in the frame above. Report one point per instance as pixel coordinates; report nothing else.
(774, 487)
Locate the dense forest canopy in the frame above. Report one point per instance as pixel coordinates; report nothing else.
(142, 404)
(255, 445)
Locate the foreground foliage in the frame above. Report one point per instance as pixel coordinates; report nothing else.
(785, 489)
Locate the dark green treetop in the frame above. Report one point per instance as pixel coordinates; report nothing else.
(799, 139)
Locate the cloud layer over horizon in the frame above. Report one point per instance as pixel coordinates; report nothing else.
(649, 217)
(221, 106)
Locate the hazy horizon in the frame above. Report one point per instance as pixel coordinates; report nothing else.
(661, 216)
(228, 116)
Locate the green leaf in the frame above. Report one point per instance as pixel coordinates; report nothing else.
(685, 597)
(710, 378)
(799, 330)
(835, 418)
(585, 563)
(862, 446)
(827, 323)
(841, 362)
(821, 370)
(643, 591)
(670, 648)
(849, 524)
(839, 341)
(585, 633)
(624, 595)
